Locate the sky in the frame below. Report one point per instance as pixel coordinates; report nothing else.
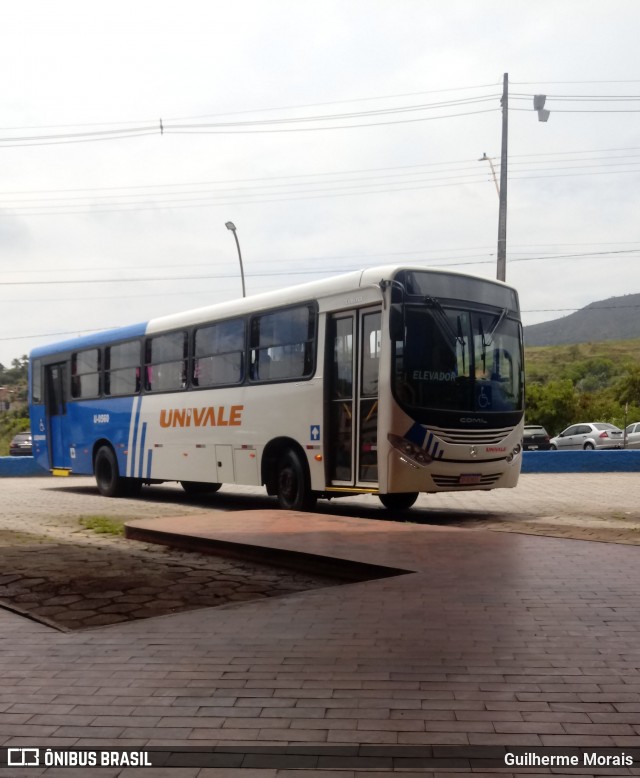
(335, 134)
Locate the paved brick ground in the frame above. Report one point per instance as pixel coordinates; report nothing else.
(492, 638)
(78, 586)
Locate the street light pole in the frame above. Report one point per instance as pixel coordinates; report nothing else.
(502, 215)
(485, 158)
(231, 226)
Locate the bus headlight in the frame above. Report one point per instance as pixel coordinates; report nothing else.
(514, 453)
(409, 450)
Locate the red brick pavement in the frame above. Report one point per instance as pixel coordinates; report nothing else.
(488, 639)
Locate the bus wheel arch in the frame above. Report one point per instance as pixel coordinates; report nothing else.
(285, 472)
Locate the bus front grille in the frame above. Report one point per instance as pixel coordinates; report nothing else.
(472, 437)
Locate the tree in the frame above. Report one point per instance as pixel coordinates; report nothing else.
(553, 405)
(627, 387)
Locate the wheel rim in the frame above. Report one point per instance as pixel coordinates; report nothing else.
(104, 472)
(288, 486)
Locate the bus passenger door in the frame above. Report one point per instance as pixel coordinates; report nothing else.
(354, 350)
(369, 361)
(56, 409)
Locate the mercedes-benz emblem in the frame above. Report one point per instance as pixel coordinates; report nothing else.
(473, 452)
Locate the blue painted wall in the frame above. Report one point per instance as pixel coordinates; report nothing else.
(16, 467)
(532, 462)
(612, 461)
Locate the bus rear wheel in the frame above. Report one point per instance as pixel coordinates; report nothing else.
(398, 501)
(293, 487)
(199, 487)
(108, 479)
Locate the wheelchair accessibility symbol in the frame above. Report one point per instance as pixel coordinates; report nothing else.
(484, 397)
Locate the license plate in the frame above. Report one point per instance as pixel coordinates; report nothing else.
(469, 479)
(533, 448)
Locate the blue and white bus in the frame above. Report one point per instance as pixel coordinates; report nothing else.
(391, 381)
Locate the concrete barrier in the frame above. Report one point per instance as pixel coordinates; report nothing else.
(16, 467)
(610, 461)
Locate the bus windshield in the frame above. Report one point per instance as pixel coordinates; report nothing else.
(455, 358)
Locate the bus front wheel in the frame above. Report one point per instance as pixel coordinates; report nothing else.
(398, 501)
(293, 487)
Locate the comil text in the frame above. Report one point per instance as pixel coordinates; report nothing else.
(209, 416)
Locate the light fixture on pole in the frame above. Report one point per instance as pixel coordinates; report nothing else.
(231, 226)
(538, 105)
(485, 158)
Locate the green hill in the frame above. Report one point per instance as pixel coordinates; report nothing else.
(545, 363)
(613, 319)
(583, 382)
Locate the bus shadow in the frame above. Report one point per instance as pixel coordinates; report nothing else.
(347, 507)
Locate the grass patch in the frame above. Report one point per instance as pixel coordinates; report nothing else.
(103, 525)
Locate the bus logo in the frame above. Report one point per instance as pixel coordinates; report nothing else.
(23, 757)
(209, 416)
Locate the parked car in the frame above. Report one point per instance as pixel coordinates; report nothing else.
(21, 445)
(633, 435)
(589, 436)
(535, 438)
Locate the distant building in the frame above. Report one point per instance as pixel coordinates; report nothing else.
(7, 398)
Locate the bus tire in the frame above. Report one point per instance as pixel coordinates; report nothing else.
(398, 501)
(293, 484)
(107, 474)
(199, 487)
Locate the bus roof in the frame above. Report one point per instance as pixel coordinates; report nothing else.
(290, 295)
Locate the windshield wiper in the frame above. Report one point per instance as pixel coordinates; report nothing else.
(443, 322)
(505, 311)
(462, 342)
(488, 341)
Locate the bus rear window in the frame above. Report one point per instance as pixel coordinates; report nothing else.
(36, 382)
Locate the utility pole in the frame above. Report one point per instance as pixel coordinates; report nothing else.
(502, 215)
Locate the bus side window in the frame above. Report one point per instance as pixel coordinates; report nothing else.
(219, 354)
(166, 362)
(85, 374)
(283, 344)
(122, 369)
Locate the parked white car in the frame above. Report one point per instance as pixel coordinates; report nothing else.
(633, 435)
(589, 436)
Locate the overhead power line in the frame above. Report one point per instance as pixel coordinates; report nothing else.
(288, 272)
(269, 109)
(112, 130)
(292, 123)
(311, 185)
